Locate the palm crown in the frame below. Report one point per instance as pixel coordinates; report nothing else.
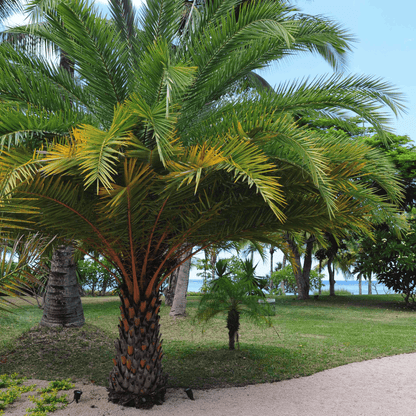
(164, 140)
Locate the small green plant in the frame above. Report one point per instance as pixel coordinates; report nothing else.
(58, 385)
(49, 400)
(14, 390)
(10, 380)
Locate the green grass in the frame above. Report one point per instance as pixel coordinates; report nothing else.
(307, 337)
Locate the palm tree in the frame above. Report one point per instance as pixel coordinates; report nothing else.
(165, 146)
(235, 298)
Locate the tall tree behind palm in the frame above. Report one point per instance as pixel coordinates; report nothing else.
(164, 145)
(62, 303)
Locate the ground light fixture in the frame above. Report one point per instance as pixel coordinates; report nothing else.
(77, 396)
(189, 393)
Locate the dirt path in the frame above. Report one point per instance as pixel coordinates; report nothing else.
(380, 387)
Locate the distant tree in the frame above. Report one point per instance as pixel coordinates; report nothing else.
(95, 276)
(287, 277)
(392, 258)
(302, 273)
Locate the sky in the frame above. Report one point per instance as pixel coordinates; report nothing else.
(385, 48)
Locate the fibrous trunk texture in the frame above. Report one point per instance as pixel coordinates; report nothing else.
(62, 305)
(233, 325)
(137, 379)
(179, 301)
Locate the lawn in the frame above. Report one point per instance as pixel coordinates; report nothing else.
(306, 337)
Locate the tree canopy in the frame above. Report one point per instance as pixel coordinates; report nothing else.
(164, 141)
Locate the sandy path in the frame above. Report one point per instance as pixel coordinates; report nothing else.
(382, 387)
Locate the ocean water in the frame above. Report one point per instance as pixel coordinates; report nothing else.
(349, 285)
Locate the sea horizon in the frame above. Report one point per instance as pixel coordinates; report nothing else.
(351, 286)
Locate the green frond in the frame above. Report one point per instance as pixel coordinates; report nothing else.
(98, 152)
(125, 19)
(157, 124)
(320, 35)
(333, 96)
(17, 165)
(160, 19)
(19, 262)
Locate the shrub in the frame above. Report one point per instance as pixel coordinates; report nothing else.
(287, 276)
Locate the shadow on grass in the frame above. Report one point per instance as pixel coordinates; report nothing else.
(86, 354)
(214, 366)
(360, 301)
(57, 353)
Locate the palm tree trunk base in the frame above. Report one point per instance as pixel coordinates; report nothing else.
(137, 378)
(128, 399)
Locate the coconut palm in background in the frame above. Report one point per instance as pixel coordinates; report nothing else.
(163, 143)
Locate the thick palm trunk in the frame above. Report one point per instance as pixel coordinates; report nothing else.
(62, 306)
(137, 379)
(302, 278)
(179, 301)
(233, 325)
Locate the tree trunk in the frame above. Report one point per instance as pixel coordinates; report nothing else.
(331, 273)
(213, 262)
(103, 290)
(233, 325)
(62, 305)
(282, 283)
(137, 378)
(271, 267)
(179, 301)
(370, 289)
(302, 281)
(320, 281)
(360, 289)
(63, 308)
(171, 289)
(307, 265)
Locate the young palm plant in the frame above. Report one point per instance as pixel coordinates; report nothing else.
(163, 144)
(234, 298)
